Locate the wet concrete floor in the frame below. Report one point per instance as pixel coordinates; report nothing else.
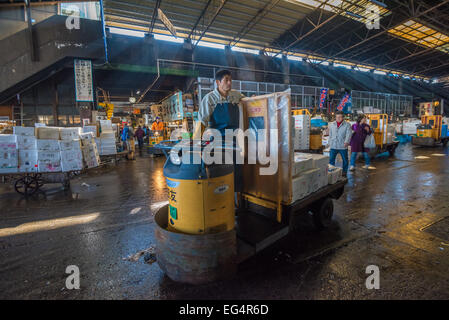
(393, 217)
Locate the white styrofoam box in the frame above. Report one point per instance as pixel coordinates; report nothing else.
(91, 129)
(48, 133)
(410, 127)
(334, 174)
(28, 161)
(71, 160)
(300, 188)
(70, 133)
(323, 178)
(91, 156)
(47, 145)
(70, 145)
(319, 160)
(301, 121)
(49, 161)
(302, 163)
(8, 139)
(8, 160)
(313, 177)
(26, 142)
(106, 125)
(24, 131)
(107, 135)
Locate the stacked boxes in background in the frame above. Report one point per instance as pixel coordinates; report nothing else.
(8, 153)
(301, 139)
(107, 138)
(310, 173)
(71, 155)
(48, 133)
(48, 155)
(27, 146)
(89, 150)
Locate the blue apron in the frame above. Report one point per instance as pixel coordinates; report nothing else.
(226, 115)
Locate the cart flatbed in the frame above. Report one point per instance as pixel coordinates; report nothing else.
(256, 231)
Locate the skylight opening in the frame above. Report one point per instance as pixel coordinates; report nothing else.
(211, 45)
(420, 34)
(168, 38)
(245, 50)
(127, 32)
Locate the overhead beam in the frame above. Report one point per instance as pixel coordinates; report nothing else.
(199, 19)
(385, 30)
(217, 12)
(254, 21)
(153, 18)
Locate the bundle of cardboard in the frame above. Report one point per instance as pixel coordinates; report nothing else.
(301, 138)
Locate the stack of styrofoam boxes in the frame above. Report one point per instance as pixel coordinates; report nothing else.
(301, 139)
(89, 150)
(71, 155)
(335, 174)
(410, 127)
(48, 155)
(107, 138)
(27, 146)
(391, 133)
(8, 153)
(310, 173)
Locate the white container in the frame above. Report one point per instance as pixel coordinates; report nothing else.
(26, 142)
(49, 161)
(28, 161)
(70, 133)
(71, 160)
(334, 174)
(48, 133)
(70, 145)
(24, 131)
(8, 160)
(47, 145)
(301, 164)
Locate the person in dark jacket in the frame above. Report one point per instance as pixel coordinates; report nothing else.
(139, 134)
(361, 130)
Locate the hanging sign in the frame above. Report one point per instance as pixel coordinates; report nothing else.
(323, 97)
(83, 80)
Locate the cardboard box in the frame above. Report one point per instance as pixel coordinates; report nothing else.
(48, 133)
(47, 145)
(28, 161)
(91, 156)
(70, 133)
(301, 163)
(24, 131)
(26, 142)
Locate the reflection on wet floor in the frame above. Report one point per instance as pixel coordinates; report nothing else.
(107, 215)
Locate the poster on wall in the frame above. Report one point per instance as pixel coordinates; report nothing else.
(83, 80)
(173, 108)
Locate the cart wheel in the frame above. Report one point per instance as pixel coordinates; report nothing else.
(322, 214)
(27, 185)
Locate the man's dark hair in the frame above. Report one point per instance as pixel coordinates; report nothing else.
(339, 112)
(221, 74)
